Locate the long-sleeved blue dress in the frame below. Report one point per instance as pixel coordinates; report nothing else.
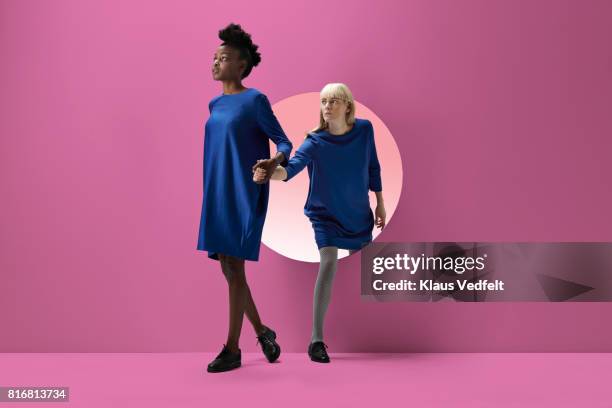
(234, 207)
(342, 169)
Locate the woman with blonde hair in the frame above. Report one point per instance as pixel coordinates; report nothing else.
(343, 167)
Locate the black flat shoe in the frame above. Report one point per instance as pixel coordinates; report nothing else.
(317, 352)
(225, 361)
(269, 346)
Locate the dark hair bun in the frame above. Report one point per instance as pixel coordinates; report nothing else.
(234, 36)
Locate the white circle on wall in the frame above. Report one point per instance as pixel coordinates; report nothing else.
(287, 230)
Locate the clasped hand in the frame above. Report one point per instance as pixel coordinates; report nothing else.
(263, 170)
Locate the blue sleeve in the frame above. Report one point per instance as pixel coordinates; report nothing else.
(375, 182)
(269, 125)
(304, 155)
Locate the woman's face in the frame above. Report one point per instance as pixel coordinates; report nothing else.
(227, 64)
(333, 109)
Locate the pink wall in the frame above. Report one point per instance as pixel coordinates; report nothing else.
(500, 109)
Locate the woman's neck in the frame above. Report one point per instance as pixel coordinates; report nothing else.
(232, 87)
(338, 128)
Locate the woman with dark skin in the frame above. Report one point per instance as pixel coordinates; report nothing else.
(237, 134)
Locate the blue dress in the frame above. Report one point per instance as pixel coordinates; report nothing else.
(234, 207)
(342, 168)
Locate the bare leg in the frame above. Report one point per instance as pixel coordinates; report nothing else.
(237, 296)
(250, 310)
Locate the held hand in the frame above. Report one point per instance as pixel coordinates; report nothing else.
(259, 176)
(258, 165)
(381, 216)
(268, 166)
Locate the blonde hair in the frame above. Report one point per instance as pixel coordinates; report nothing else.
(338, 91)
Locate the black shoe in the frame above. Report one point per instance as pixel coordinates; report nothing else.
(317, 352)
(225, 361)
(269, 346)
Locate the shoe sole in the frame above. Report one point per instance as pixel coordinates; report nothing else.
(320, 361)
(230, 367)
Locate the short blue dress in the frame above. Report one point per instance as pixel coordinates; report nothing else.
(342, 169)
(234, 207)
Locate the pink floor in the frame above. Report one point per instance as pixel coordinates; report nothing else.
(351, 380)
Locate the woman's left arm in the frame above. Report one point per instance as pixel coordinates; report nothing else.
(375, 184)
(380, 213)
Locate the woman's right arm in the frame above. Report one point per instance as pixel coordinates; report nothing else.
(260, 174)
(304, 155)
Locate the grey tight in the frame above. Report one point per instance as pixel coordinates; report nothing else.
(323, 287)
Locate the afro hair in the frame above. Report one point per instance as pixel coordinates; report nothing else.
(234, 36)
